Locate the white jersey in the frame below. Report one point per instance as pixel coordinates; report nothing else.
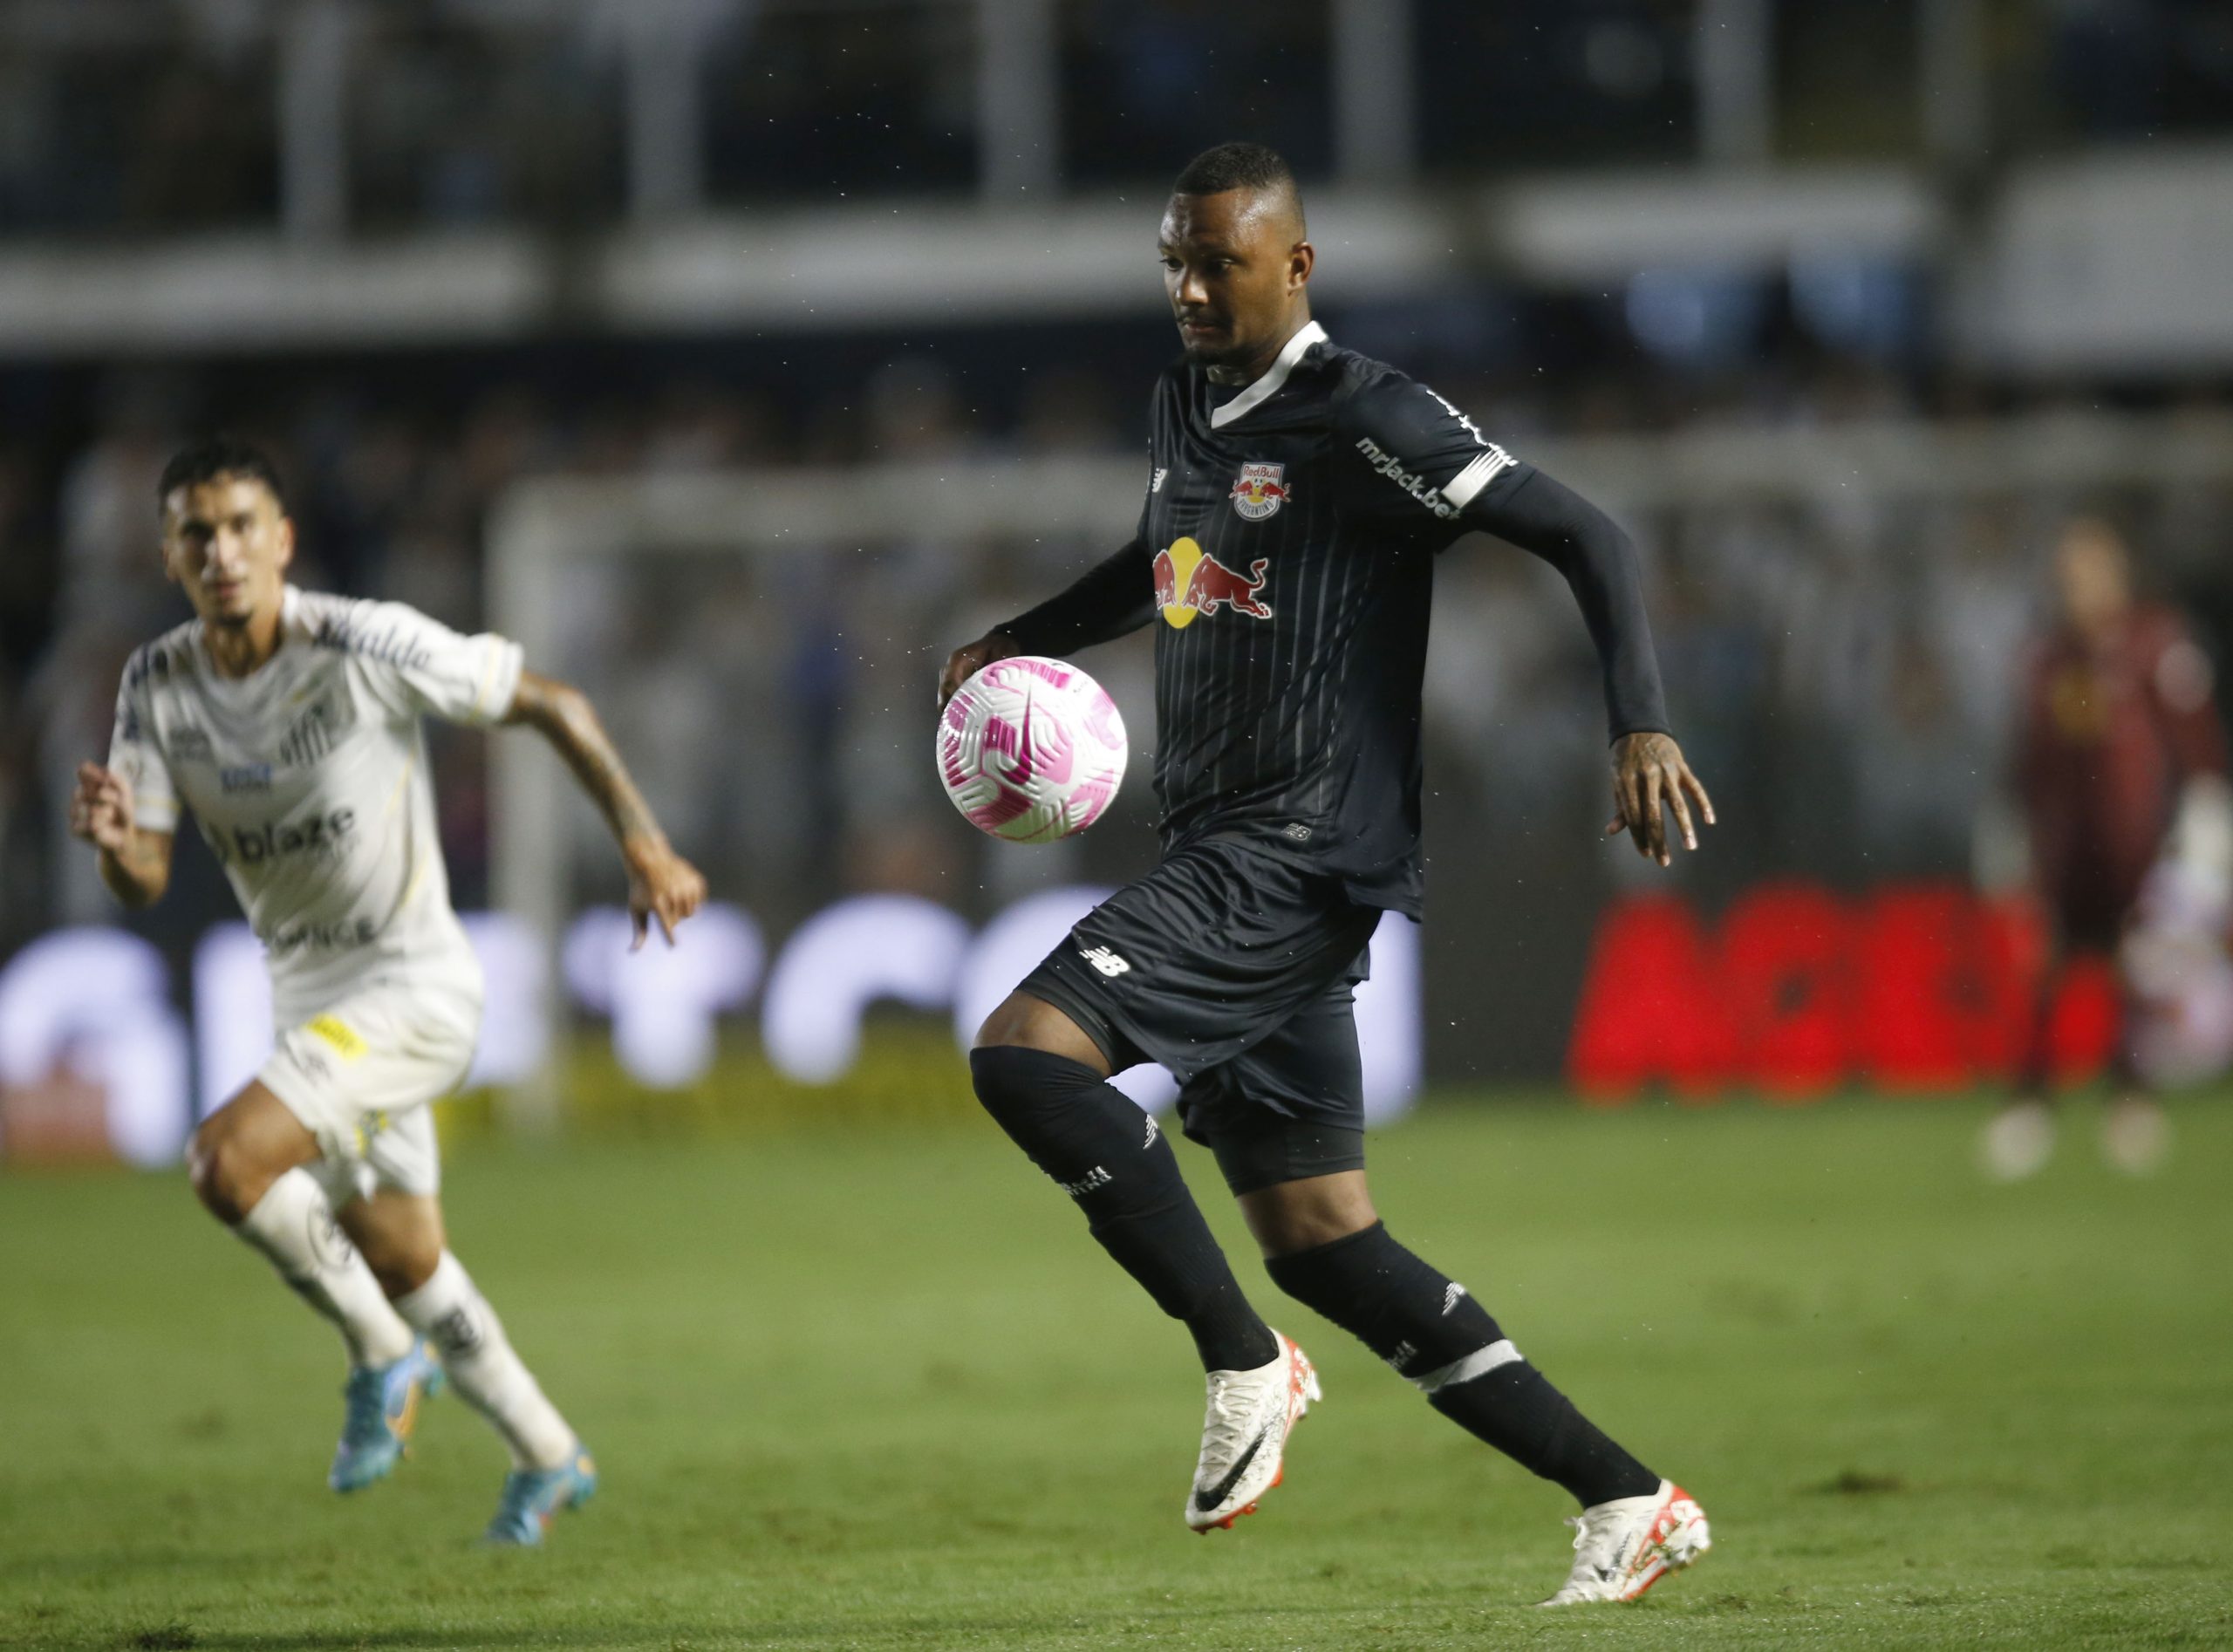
(308, 778)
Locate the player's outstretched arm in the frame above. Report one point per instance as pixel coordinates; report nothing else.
(1651, 780)
(661, 885)
(1114, 597)
(135, 863)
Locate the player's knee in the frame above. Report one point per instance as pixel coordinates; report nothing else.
(225, 1171)
(1012, 1080)
(402, 1263)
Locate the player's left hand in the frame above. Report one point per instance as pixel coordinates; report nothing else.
(661, 885)
(1650, 778)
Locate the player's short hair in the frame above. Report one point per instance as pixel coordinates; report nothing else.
(1238, 166)
(216, 456)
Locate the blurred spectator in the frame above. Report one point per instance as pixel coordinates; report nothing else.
(2121, 773)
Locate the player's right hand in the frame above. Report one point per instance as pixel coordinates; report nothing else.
(967, 660)
(100, 810)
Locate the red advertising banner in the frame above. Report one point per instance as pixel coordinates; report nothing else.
(1915, 989)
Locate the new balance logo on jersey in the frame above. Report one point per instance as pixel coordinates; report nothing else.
(1452, 1294)
(1410, 481)
(1104, 960)
(1152, 1133)
(1155, 484)
(1095, 1177)
(273, 840)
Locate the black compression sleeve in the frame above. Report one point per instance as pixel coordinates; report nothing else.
(1582, 543)
(1110, 598)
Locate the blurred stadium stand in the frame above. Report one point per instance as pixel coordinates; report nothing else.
(431, 250)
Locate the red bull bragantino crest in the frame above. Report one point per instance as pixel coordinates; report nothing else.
(1261, 491)
(1190, 584)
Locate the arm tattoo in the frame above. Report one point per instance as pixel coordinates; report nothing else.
(564, 717)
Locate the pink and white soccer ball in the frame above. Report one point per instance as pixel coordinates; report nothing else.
(1031, 749)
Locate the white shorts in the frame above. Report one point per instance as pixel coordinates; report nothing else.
(360, 1073)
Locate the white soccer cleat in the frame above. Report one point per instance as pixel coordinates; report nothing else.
(2017, 1142)
(1245, 1435)
(1622, 1548)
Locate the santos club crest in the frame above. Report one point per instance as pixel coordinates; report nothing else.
(1260, 492)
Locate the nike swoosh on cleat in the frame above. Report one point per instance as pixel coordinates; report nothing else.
(1206, 1500)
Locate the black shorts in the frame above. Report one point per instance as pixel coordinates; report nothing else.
(1235, 968)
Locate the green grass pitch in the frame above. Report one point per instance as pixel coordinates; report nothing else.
(876, 1389)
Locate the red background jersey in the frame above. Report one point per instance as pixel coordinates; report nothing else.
(2111, 731)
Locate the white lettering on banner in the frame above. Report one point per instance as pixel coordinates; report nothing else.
(840, 961)
(514, 1033)
(663, 1000)
(98, 998)
(1391, 1020)
(232, 998)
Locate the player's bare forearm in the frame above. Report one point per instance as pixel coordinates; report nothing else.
(135, 864)
(138, 872)
(564, 716)
(661, 885)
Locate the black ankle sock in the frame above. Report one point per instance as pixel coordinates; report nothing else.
(1430, 1329)
(1515, 1409)
(1110, 1157)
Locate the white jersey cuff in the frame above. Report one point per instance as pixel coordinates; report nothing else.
(1460, 489)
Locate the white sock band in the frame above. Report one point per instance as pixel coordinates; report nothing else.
(293, 1225)
(1479, 1362)
(450, 1312)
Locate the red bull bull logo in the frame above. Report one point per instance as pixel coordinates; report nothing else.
(1190, 583)
(1260, 492)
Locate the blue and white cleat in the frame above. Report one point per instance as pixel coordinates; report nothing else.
(534, 1498)
(383, 1408)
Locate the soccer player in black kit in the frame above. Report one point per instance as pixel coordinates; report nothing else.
(1298, 495)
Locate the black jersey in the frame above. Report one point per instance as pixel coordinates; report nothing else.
(1292, 529)
(1286, 558)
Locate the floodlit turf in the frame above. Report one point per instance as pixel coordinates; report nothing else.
(880, 1390)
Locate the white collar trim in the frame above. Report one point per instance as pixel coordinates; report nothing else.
(1264, 388)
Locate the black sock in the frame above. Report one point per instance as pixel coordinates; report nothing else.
(1515, 1409)
(1437, 1335)
(1111, 1158)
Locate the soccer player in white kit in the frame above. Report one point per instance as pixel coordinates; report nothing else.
(288, 722)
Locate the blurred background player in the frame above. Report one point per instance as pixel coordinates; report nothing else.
(1288, 769)
(2121, 777)
(288, 722)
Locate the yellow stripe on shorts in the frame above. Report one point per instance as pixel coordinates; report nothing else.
(338, 1032)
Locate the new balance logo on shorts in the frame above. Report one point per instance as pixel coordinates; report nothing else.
(1452, 1295)
(1151, 1135)
(1095, 1177)
(1104, 960)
